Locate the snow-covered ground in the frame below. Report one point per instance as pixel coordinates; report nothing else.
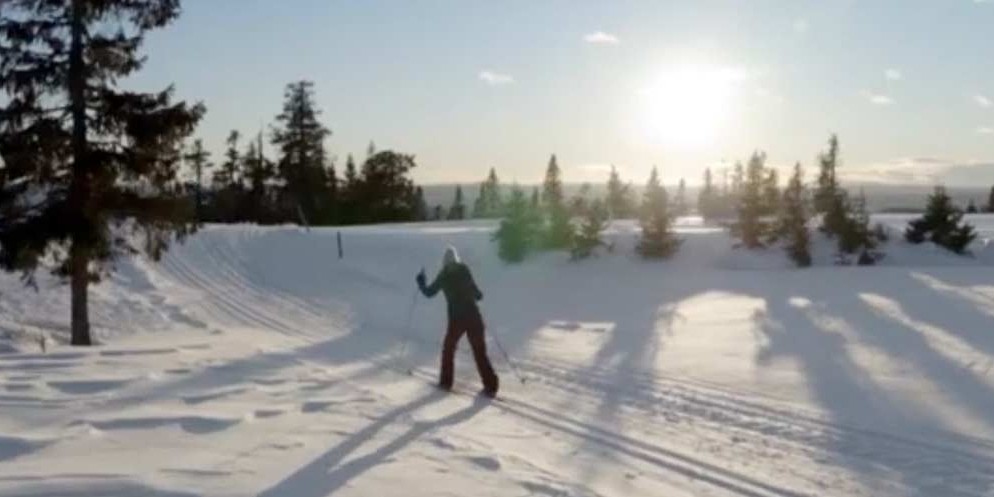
(252, 361)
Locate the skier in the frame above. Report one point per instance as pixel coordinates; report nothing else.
(461, 295)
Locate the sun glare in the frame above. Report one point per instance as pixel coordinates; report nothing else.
(688, 107)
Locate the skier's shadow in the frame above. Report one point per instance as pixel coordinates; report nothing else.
(324, 475)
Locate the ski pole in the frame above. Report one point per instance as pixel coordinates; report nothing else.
(507, 358)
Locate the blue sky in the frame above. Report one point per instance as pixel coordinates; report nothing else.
(907, 84)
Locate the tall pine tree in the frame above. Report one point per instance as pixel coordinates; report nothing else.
(619, 202)
(385, 191)
(658, 240)
(827, 193)
(81, 155)
(199, 161)
(299, 137)
(794, 220)
(751, 227)
(519, 230)
(259, 173)
(458, 209)
(559, 229)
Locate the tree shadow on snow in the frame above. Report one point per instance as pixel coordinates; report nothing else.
(326, 473)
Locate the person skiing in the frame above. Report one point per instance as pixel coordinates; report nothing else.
(461, 295)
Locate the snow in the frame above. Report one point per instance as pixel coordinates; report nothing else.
(252, 361)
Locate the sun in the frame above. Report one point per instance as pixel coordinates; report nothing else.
(688, 107)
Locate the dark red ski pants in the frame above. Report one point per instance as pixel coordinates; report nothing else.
(472, 327)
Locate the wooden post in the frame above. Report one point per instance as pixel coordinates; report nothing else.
(341, 254)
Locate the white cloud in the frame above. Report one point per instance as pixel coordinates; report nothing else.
(985, 130)
(601, 38)
(983, 101)
(495, 78)
(801, 26)
(923, 171)
(893, 75)
(876, 98)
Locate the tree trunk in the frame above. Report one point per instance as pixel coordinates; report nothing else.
(79, 280)
(79, 194)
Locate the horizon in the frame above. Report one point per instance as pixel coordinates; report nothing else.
(466, 87)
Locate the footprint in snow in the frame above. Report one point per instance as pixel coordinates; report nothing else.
(489, 463)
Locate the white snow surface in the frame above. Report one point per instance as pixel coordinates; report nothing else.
(252, 361)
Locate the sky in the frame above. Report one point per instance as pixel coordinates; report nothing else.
(908, 85)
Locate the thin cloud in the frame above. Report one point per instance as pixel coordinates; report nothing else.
(601, 38)
(985, 130)
(801, 26)
(877, 99)
(983, 101)
(893, 75)
(495, 78)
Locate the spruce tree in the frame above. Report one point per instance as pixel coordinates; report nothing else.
(348, 197)
(751, 227)
(771, 193)
(227, 183)
(84, 159)
(199, 161)
(738, 182)
(706, 198)
(299, 136)
(259, 173)
(794, 220)
(385, 190)
(580, 202)
(420, 205)
(827, 194)
(559, 230)
(518, 232)
(990, 201)
(587, 237)
(658, 240)
(619, 203)
(856, 236)
(680, 202)
(941, 224)
(492, 203)
(458, 209)
(479, 205)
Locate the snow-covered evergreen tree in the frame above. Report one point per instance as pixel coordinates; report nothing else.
(794, 220)
(658, 240)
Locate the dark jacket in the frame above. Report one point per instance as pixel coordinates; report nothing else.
(461, 292)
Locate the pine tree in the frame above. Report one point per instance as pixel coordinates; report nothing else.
(751, 227)
(370, 149)
(349, 195)
(990, 201)
(559, 230)
(619, 203)
(657, 239)
(199, 160)
(227, 173)
(332, 213)
(941, 224)
(493, 203)
(738, 181)
(680, 203)
(81, 155)
(420, 205)
(771, 193)
(857, 237)
(587, 237)
(479, 205)
(227, 182)
(299, 136)
(706, 198)
(259, 173)
(439, 213)
(518, 232)
(458, 209)
(535, 199)
(579, 204)
(971, 207)
(826, 196)
(794, 220)
(385, 192)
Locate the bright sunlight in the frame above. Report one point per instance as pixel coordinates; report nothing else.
(688, 107)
